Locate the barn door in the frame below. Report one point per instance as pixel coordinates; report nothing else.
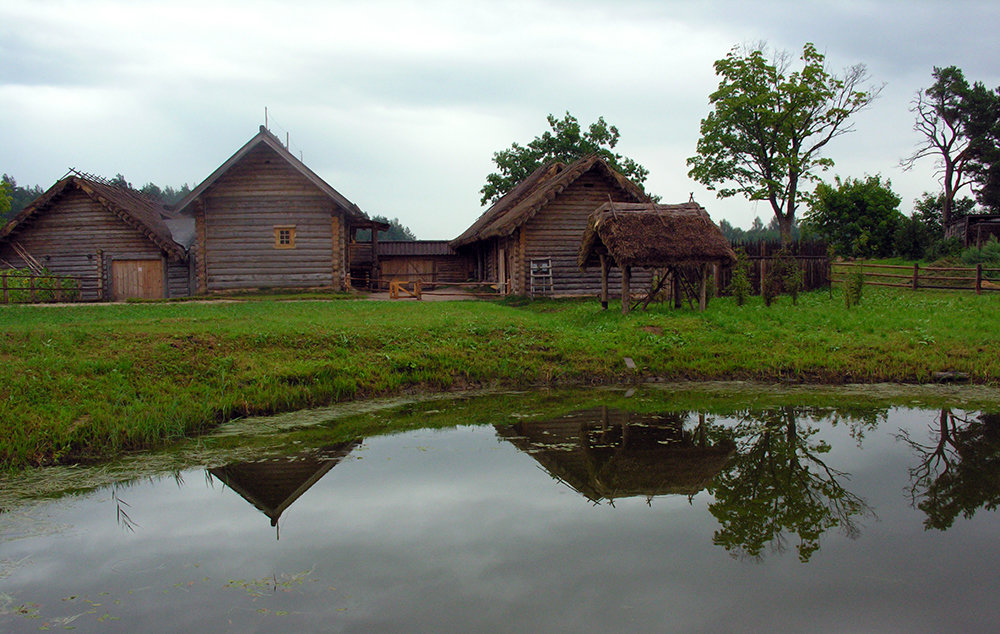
(136, 278)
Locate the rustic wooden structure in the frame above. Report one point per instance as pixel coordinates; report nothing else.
(273, 484)
(947, 278)
(671, 238)
(111, 239)
(606, 454)
(536, 228)
(430, 261)
(811, 256)
(974, 230)
(264, 219)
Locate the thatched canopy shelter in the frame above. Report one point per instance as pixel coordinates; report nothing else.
(608, 454)
(652, 235)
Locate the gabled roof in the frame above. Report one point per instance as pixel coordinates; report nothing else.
(549, 180)
(130, 206)
(271, 141)
(646, 234)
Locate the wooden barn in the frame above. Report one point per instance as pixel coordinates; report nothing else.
(528, 241)
(115, 242)
(680, 241)
(263, 219)
(430, 261)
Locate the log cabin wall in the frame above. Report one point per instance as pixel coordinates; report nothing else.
(68, 236)
(556, 230)
(237, 228)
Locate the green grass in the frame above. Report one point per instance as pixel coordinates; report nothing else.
(87, 382)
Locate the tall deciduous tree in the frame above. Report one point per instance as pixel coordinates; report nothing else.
(769, 124)
(5, 198)
(566, 141)
(960, 125)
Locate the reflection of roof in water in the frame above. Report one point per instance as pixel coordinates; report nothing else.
(273, 484)
(606, 454)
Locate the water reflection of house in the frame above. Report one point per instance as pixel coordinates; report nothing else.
(606, 454)
(273, 484)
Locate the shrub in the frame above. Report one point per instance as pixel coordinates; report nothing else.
(739, 285)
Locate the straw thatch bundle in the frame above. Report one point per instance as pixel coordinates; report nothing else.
(646, 234)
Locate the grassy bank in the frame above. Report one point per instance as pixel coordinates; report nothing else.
(89, 381)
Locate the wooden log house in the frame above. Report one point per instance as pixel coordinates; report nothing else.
(527, 242)
(111, 239)
(263, 219)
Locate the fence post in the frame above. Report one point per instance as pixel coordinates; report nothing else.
(31, 287)
(5, 287)
(979, 279)
(916, 274)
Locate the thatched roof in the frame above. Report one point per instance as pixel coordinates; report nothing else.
(547, 181)
(608, 454)
(133, 208)
(266, 138)
(646, 234)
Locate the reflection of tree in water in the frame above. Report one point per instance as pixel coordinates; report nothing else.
(959, 472)
(778, 486)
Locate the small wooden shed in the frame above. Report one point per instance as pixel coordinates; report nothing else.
(112, 239)
(653, 236)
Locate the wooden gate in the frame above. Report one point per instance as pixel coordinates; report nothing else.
(136, 278)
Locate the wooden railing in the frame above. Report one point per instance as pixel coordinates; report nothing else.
(19, 287)
(953, 278)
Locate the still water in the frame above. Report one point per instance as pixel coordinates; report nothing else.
(594, 513)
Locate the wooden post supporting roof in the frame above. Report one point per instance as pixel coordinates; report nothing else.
(626, 291)
(604, 282)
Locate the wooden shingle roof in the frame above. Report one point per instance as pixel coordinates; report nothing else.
(130, 206)
(547, 181)
(266, 138)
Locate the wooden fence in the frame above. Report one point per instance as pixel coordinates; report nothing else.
(19, 287)
(811, 257)
(952, 278)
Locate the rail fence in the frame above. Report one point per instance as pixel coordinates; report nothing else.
(19, 287)
(953, 278)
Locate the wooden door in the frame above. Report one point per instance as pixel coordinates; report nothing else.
(136, 278)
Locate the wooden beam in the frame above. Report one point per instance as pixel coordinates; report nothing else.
(604, 281)
(626, 291)
(703, 288)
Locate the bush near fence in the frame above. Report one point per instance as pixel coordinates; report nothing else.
(811, 256)
(22, 286)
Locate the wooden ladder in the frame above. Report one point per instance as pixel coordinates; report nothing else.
(540, 276)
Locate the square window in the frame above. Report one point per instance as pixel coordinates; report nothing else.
(284, 237)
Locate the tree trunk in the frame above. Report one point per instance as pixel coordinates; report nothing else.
(785, 227)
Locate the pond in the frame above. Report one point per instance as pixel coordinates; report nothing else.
(653, 509)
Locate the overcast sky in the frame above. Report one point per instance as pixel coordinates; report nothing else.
(400, 105)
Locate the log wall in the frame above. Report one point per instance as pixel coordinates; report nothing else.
(240, 211)
(556, 232)
(67, 239)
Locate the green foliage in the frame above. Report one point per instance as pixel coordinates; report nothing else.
(739, 285)
(853, 287)
(857, 218)
(960, 125)
(396, 231)
(19, 196)
(758, 231)
(565, 142)
(5, 200)
(929, 208)
(912, 238)
(91, 381)
(783, 275)
(23, 286)
(764, 136)
(988, 254)
(944, 248)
